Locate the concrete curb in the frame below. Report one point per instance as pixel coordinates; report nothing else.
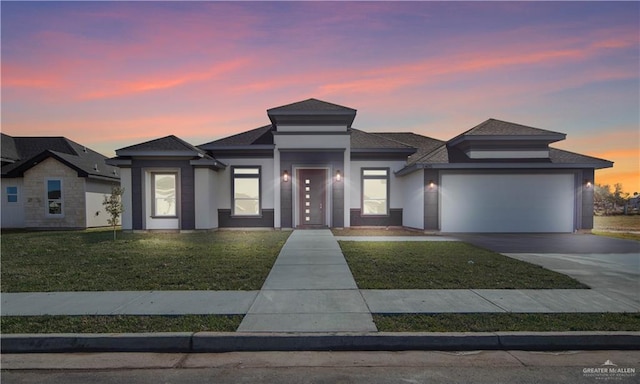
(186, 342)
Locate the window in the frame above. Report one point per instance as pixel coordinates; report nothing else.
(54, 197)
(164, 194)
(375, 191)
(246, 191)
(12, 194)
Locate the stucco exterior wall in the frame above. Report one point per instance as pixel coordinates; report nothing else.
(73, 196)
(413, 196)
(127, 215)
(267, 181)
(206, 198)
(585, 199)
(13, 212)
(396, 194)
(96, 190)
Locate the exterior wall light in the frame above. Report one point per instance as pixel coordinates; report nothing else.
(587, 183)
(338, 176)
(431, 184)
(285, 176)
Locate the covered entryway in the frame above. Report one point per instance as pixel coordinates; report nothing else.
(312, 196)
(507, 203)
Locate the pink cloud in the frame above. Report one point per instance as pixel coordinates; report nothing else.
(165, 81)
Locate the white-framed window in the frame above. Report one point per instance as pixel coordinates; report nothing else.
(246, 191)
(12, 194)
(164, 194)
(55, 197)
(375, 191)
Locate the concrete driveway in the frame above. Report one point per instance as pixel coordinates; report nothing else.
(550, 243)
(610, 266)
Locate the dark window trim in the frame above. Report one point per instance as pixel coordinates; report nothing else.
(233, 189)
(380, 177)
(153, 194)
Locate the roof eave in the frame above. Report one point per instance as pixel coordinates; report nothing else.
(547, 138)
(118, 162)
(516, 165)
(407, 151)
(409, 169)
(152, 153)
(103, 177)
(214, 148)
(208, 163)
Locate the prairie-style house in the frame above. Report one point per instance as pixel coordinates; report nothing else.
(308, 167)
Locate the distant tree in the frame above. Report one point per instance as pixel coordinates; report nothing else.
(619, 197)
(602, 199)
(114, 207)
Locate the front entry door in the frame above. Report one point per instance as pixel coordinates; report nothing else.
(312, 197)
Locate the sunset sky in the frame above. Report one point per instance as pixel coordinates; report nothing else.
(113, 74)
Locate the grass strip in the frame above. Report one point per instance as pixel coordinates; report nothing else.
(444, 265)
(119, 324)
(618, 235)
(617, 223)
(375, 232)
(506, 322)
(93, 261)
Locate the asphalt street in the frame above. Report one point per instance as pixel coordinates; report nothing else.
(324, 367)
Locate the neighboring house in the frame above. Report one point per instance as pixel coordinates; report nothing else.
(311, 168)
(53, 182)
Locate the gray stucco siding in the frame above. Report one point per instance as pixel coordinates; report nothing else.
(227, 220)
(431, 203)
(186, 193)
(585, 192)
(334, 160)
(393, 219)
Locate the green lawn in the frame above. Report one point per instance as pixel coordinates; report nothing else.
(507, 322)
(617, 223)
(444, 265)
(621, 225)
(375, 232)
(119, 324)
(476, 322)
(92, 261)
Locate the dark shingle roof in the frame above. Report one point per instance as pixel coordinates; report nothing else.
(167, 143)
(364, 140)
(452, 155)
(256, 136)
(9, 150)
(559, 156)
(311, 105)
(32, 150)
(423, 144)
(495, 127)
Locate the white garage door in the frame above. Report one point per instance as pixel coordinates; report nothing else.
(507, 203)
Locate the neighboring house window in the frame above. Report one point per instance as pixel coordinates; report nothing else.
(164, 194)
(54, 197)
(12, 194)
(375, 191)
(246, 191)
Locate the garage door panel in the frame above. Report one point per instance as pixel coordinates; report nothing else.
(507, 203)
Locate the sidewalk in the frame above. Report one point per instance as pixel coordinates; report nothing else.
(311, 289)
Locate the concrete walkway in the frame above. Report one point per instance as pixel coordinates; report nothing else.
(310, 289)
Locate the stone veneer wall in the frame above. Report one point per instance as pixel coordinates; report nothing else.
(73, 196)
